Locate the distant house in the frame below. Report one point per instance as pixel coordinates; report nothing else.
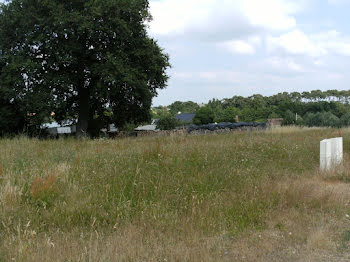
(111, 128)
(185, 117)
(55, 129)
(146, 128)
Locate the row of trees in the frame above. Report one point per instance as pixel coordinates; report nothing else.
(315, 108)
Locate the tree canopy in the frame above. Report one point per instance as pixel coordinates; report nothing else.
(204, 115)
(78, 59)
(314, 108)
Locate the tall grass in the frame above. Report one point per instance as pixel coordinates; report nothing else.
(179, 198)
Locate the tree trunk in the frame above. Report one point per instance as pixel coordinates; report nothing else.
(84, 112)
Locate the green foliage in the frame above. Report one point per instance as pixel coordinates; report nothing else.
(229, 115)
(274, 115)
(183, 107)
(289, 118)
(78, 58)
(167, 122)
(324, 119)
(299, 121)
(204, 115)
(345, 119)
(160, 111)
(129, 127)
(258, 108)
(330, 120)
(247, 114)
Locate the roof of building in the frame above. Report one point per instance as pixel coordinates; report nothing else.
(146, 128)
(185, 117)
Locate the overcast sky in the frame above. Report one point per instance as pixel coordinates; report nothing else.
(222, 48)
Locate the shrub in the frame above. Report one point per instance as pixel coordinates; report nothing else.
(324, 119)
(229, 115)
(345, 119)
(274, 115)
(289, 118)
(167, 122)
(330, 120)
(204, 115)
(299, 121)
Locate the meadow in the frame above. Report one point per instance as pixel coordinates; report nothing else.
(240, 196)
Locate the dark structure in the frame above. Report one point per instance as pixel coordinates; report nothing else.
(185, 117)
(226, 126)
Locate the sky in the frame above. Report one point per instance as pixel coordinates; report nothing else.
(225, 48)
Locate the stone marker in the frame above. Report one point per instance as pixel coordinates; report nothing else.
(331, 153)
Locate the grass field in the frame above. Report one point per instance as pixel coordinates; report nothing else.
(243, 196)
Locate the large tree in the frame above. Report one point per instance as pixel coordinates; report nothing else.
(79, 59)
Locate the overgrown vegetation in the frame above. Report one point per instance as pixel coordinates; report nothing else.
(254, 196)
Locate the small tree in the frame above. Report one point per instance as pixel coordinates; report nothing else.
(248, 114)
(330, 120)
(204, 115)
(299, 121)
(167, 122)
(326, 119)
(274, 115)
(289, 118)
(345, 119)
(229, 114)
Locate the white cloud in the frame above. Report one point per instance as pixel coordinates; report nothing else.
(240, 47)
(297, 42)
(285, 63)
(230, 18)
(333, 41)
(247, 47)
(272, 14)
(338, 2)
(318, 62)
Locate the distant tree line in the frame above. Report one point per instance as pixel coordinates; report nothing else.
(315, 108)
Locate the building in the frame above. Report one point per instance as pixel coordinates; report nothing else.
(275, 121)
(185, 117)
(55, 129)
(146, 128)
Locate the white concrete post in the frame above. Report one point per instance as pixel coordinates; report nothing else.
(331, 153)
(337, 150)
(325, 154)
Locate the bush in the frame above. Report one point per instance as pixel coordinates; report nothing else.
(299, 121)
(167, 122)
(229, 115)
(324, 119)
(289, 118)
(274, 115)
(330, 120)
(345, 119)
(204, 115)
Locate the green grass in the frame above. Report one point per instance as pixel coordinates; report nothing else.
(209, 186)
